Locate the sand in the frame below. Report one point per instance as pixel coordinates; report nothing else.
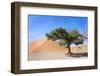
(44, 49)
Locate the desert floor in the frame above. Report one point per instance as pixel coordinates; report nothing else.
(44, 49)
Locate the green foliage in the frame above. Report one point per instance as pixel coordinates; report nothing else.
(74, 33)
(65, 37)
(79, 41)
(58, 33)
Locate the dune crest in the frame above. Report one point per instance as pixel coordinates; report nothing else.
(49, 45)
(33, 46)
(45, 45)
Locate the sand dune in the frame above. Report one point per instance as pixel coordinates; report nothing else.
(45, 45)
(47, 49)
(49, 45)
(33, 46)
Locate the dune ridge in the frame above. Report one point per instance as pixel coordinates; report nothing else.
(49, 45)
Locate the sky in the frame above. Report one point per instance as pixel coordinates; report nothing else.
(39, 25)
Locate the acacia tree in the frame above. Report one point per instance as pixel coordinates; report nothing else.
(66, 38)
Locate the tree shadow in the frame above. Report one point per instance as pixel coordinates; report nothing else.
(78, 55)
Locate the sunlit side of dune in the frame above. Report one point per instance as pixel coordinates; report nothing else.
(33, 46)
(45, 45)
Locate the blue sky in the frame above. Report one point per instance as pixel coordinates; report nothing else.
(39, 25)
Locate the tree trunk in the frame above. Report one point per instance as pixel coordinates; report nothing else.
(69, 50)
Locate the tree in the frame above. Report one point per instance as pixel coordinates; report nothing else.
(66, 38)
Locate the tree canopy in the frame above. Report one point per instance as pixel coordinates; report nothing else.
(66, 38)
